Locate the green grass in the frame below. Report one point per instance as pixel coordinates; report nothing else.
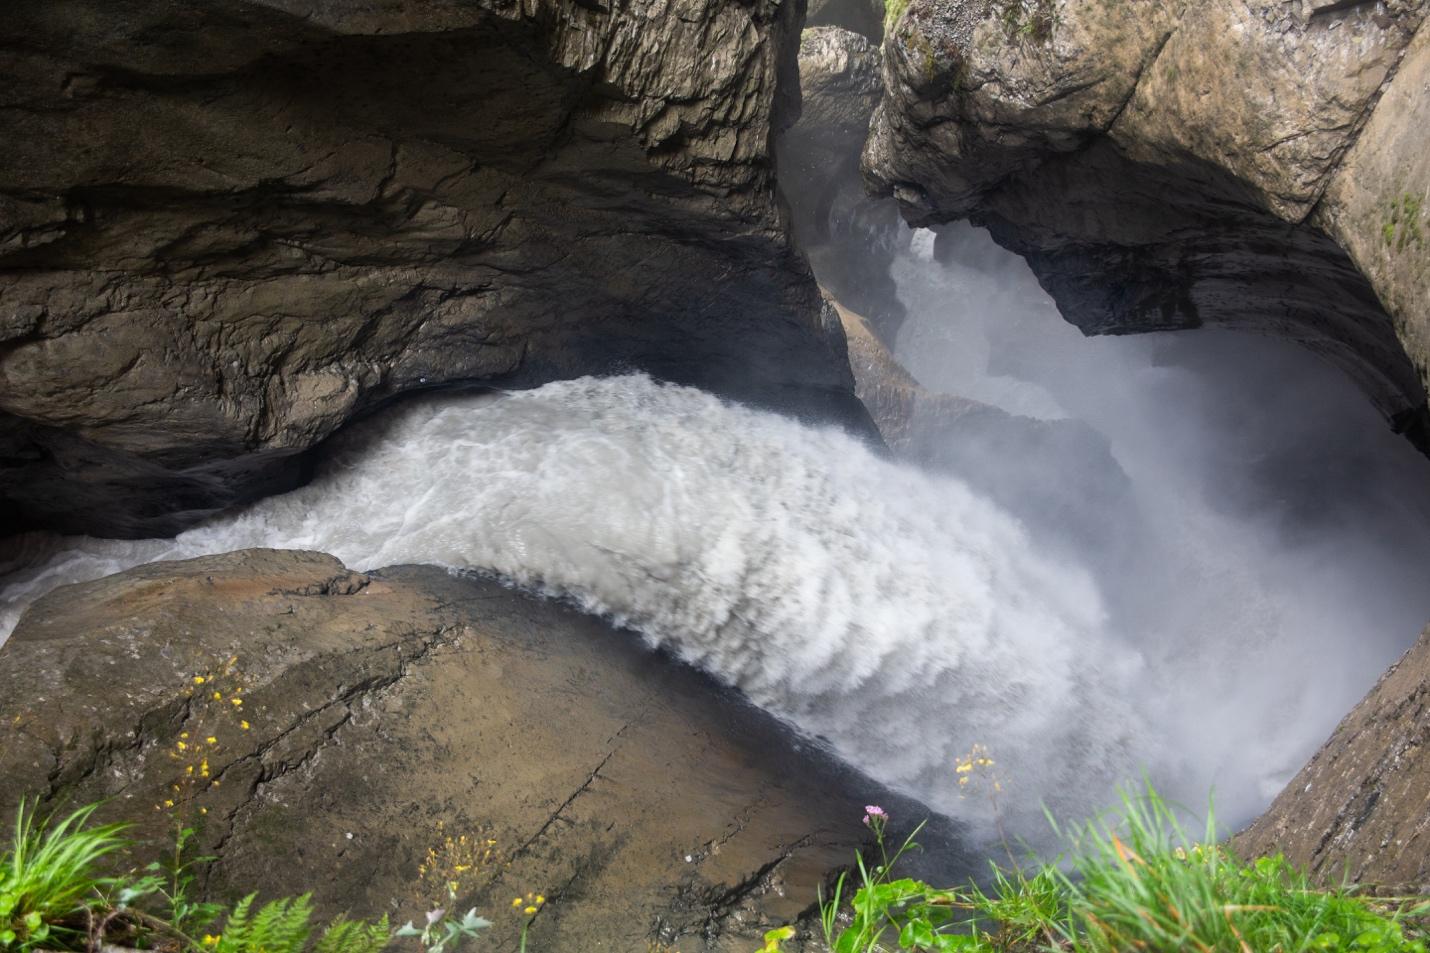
(53, 898)
(1132, 881)
(1142, 883)
(48, 879)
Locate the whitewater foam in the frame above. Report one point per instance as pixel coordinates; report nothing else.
(892, 613)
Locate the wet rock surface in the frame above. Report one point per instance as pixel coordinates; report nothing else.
(1361, 807)
(1124, 150)
(227, 229)
(390, 710)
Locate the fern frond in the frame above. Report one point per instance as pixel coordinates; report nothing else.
(279, 926)
(354, 936)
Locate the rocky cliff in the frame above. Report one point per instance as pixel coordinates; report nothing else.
(1247, 163)
(384, 713)
(228, 228)
(1361, 807)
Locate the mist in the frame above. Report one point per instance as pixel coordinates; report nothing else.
(1260, 531)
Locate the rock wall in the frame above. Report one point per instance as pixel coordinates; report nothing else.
(386, 712)
(1361, 807)
(849, 237)
(1248, 163)
(228, 228)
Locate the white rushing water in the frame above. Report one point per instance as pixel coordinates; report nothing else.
(893, 613)
(1270, 538)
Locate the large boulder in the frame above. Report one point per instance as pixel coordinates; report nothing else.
(1361, 807)
(1243, 163)
(228, 228)
(387, 712)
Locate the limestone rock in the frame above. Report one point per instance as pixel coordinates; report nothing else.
(1361, 807)
(387, 711)
(1170, 165)
(228, 228)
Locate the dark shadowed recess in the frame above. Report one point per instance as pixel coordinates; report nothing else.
(1125, 247)
(228, 230)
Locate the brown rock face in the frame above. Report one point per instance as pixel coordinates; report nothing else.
(1361, 807)
(388, 711)
(1243, 163)
(228, 228)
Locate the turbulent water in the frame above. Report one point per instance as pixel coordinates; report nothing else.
(1265, 535)
(892, 613)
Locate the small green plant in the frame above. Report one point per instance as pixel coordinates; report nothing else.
(48, 882)
(172, 881)
(1139, 882)
(285, 926)
(1034, 20)
(774, 940)
(1402, 227)
(1133, 880)
(440, 931)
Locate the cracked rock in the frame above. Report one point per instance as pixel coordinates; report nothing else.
(387, 716)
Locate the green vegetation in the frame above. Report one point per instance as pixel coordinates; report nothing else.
(52, 897)
(1133, 881)
(893, 9)
(48, 876)
(1034, 20)
(1402, 228)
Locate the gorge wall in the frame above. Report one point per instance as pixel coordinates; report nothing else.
(1253, 164)
(227, 229)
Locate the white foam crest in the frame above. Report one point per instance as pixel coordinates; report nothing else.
(890, 612)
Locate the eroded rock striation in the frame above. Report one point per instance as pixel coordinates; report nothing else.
(1361, 807)
(388, 711)
(1246, 163)
(228, 228)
